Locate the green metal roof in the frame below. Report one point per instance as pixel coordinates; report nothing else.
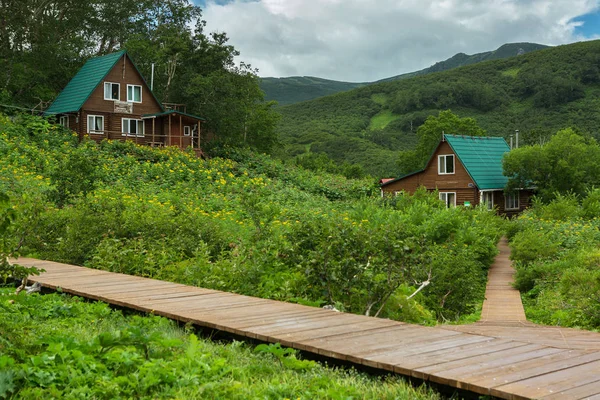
(160, 114)
(79, 89)
(482, 158)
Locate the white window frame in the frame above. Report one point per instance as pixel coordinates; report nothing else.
(131, 100)
(444, 197)
(187, 130)
(516, 199)
(64, 120)
(489, 202)
(125, 122)
(442, 162)
(94, 131)
(118, 91)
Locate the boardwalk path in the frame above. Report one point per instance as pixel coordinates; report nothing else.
(499, 359)
(502, 302)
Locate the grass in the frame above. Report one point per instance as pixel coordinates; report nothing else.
(58, 346)
(379, 98)
(382, 119)
(512, 72)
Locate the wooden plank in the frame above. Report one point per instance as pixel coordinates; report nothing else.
(473, 365)
(297, 338)
(417, 350)
(553, 382)
(537, 367)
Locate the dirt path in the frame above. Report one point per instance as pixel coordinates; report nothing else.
(502, 303)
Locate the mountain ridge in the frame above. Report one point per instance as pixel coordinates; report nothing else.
(295, 89)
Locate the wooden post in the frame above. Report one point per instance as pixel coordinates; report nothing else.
(169, 129)
(153, 141)
(199, 147)
(180, 132)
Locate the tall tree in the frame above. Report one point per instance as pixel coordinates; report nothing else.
(429, 135)
(567, 163)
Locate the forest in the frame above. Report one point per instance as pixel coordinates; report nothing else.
(537, 93)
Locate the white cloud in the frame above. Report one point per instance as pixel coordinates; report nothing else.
(366, 40)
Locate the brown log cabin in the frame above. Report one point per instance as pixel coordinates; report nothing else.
(466, 171)
(109, 99)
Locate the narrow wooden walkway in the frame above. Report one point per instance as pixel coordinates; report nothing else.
(528, 365)
(502, 302)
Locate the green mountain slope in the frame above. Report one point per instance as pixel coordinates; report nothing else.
(295, 89)
(537, 93)
(462, 59)
(301, 88)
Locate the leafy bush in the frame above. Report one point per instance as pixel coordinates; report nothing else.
(57, 346)
(245, 224)
(557, 262)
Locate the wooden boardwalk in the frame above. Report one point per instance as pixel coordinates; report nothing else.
(504, 361)
(502, 301)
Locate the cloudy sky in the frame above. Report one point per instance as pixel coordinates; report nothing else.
(367, 40)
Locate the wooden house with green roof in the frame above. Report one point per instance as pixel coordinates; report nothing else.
(467, 171)
(109, 99)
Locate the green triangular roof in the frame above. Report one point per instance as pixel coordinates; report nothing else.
(79, 89)
(482, 158)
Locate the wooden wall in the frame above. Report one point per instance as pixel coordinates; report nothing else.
(460, 183)
(430, 179)
(123, 73)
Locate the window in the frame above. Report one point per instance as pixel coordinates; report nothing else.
(446, 164)
(111, 91)
(186, 130)
(95, 124)
(64, 121)
(132, 127)
(511, 201)
(134, 93)
(488, 199)
(449, 198)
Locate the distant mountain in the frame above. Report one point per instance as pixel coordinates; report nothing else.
(301, 88)
(295, 89)
(462, 59)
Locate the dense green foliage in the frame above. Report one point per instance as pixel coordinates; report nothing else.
(538, 93)
(10, 243)
(245, 224)
(56, 346)
(568, 163)
(44, 43)
(555, 250)
(295, 89)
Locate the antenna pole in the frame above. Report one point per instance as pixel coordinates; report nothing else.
(152, 78)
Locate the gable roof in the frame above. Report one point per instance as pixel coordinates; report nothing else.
(482, 158)
(87, 79)
(480, 155)
(79, 89)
